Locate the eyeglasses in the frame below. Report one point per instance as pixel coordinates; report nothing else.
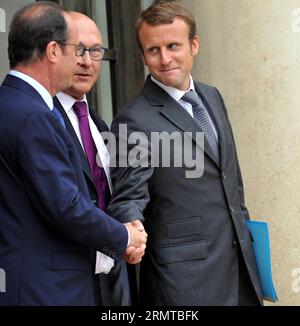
(96, 53)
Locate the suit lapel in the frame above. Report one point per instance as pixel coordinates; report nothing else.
(175, 113)
(72, 133)
(100, 124)
(180, 118)
(216, 113)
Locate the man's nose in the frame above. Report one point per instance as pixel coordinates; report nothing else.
(165, 57)
(86, 59)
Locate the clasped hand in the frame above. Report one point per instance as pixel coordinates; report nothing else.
(137, 245)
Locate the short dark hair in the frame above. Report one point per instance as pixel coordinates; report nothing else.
(31, 30)
(164, 12)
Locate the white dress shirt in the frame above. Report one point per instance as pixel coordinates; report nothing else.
(177, 95)
(103, 263)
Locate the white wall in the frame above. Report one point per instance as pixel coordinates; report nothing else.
(250, 50)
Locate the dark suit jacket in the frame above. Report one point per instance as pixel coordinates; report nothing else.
(114, 289)
(49, 227)
(194, 225)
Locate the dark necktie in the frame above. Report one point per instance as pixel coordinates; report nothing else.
(98, 173)
(58, 116)
(202, 119)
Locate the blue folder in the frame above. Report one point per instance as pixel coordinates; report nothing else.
(261, 248)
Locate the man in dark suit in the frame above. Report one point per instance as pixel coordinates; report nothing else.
(50, 230)
(199, 249)
(112, 276)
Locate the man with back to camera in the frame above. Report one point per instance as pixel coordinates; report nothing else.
(50, 230)
(199, 249)
(113, 289)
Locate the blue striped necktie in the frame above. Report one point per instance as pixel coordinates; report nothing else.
(202, 119)
(58, 116)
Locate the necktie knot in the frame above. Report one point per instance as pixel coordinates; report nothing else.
(192, 98)
(80, 109)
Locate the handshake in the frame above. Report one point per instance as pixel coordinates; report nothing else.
(137, 245)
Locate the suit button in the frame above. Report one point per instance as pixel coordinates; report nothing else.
(231, 208)
(234, 243)
(223, 176)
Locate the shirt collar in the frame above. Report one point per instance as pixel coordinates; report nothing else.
(36, 85)
(172, 91)
(67, 101)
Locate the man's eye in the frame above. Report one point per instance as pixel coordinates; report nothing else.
(80, 48)
(173, 46)
(153, 50)
(95, 50)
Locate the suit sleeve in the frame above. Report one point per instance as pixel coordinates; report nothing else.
(131, 182)
(46, 157)
(239, 175)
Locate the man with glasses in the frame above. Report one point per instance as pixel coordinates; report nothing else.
(96, 53)
(112, 282)
(50, 229)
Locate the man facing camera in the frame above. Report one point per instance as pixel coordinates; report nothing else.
(199, 250)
